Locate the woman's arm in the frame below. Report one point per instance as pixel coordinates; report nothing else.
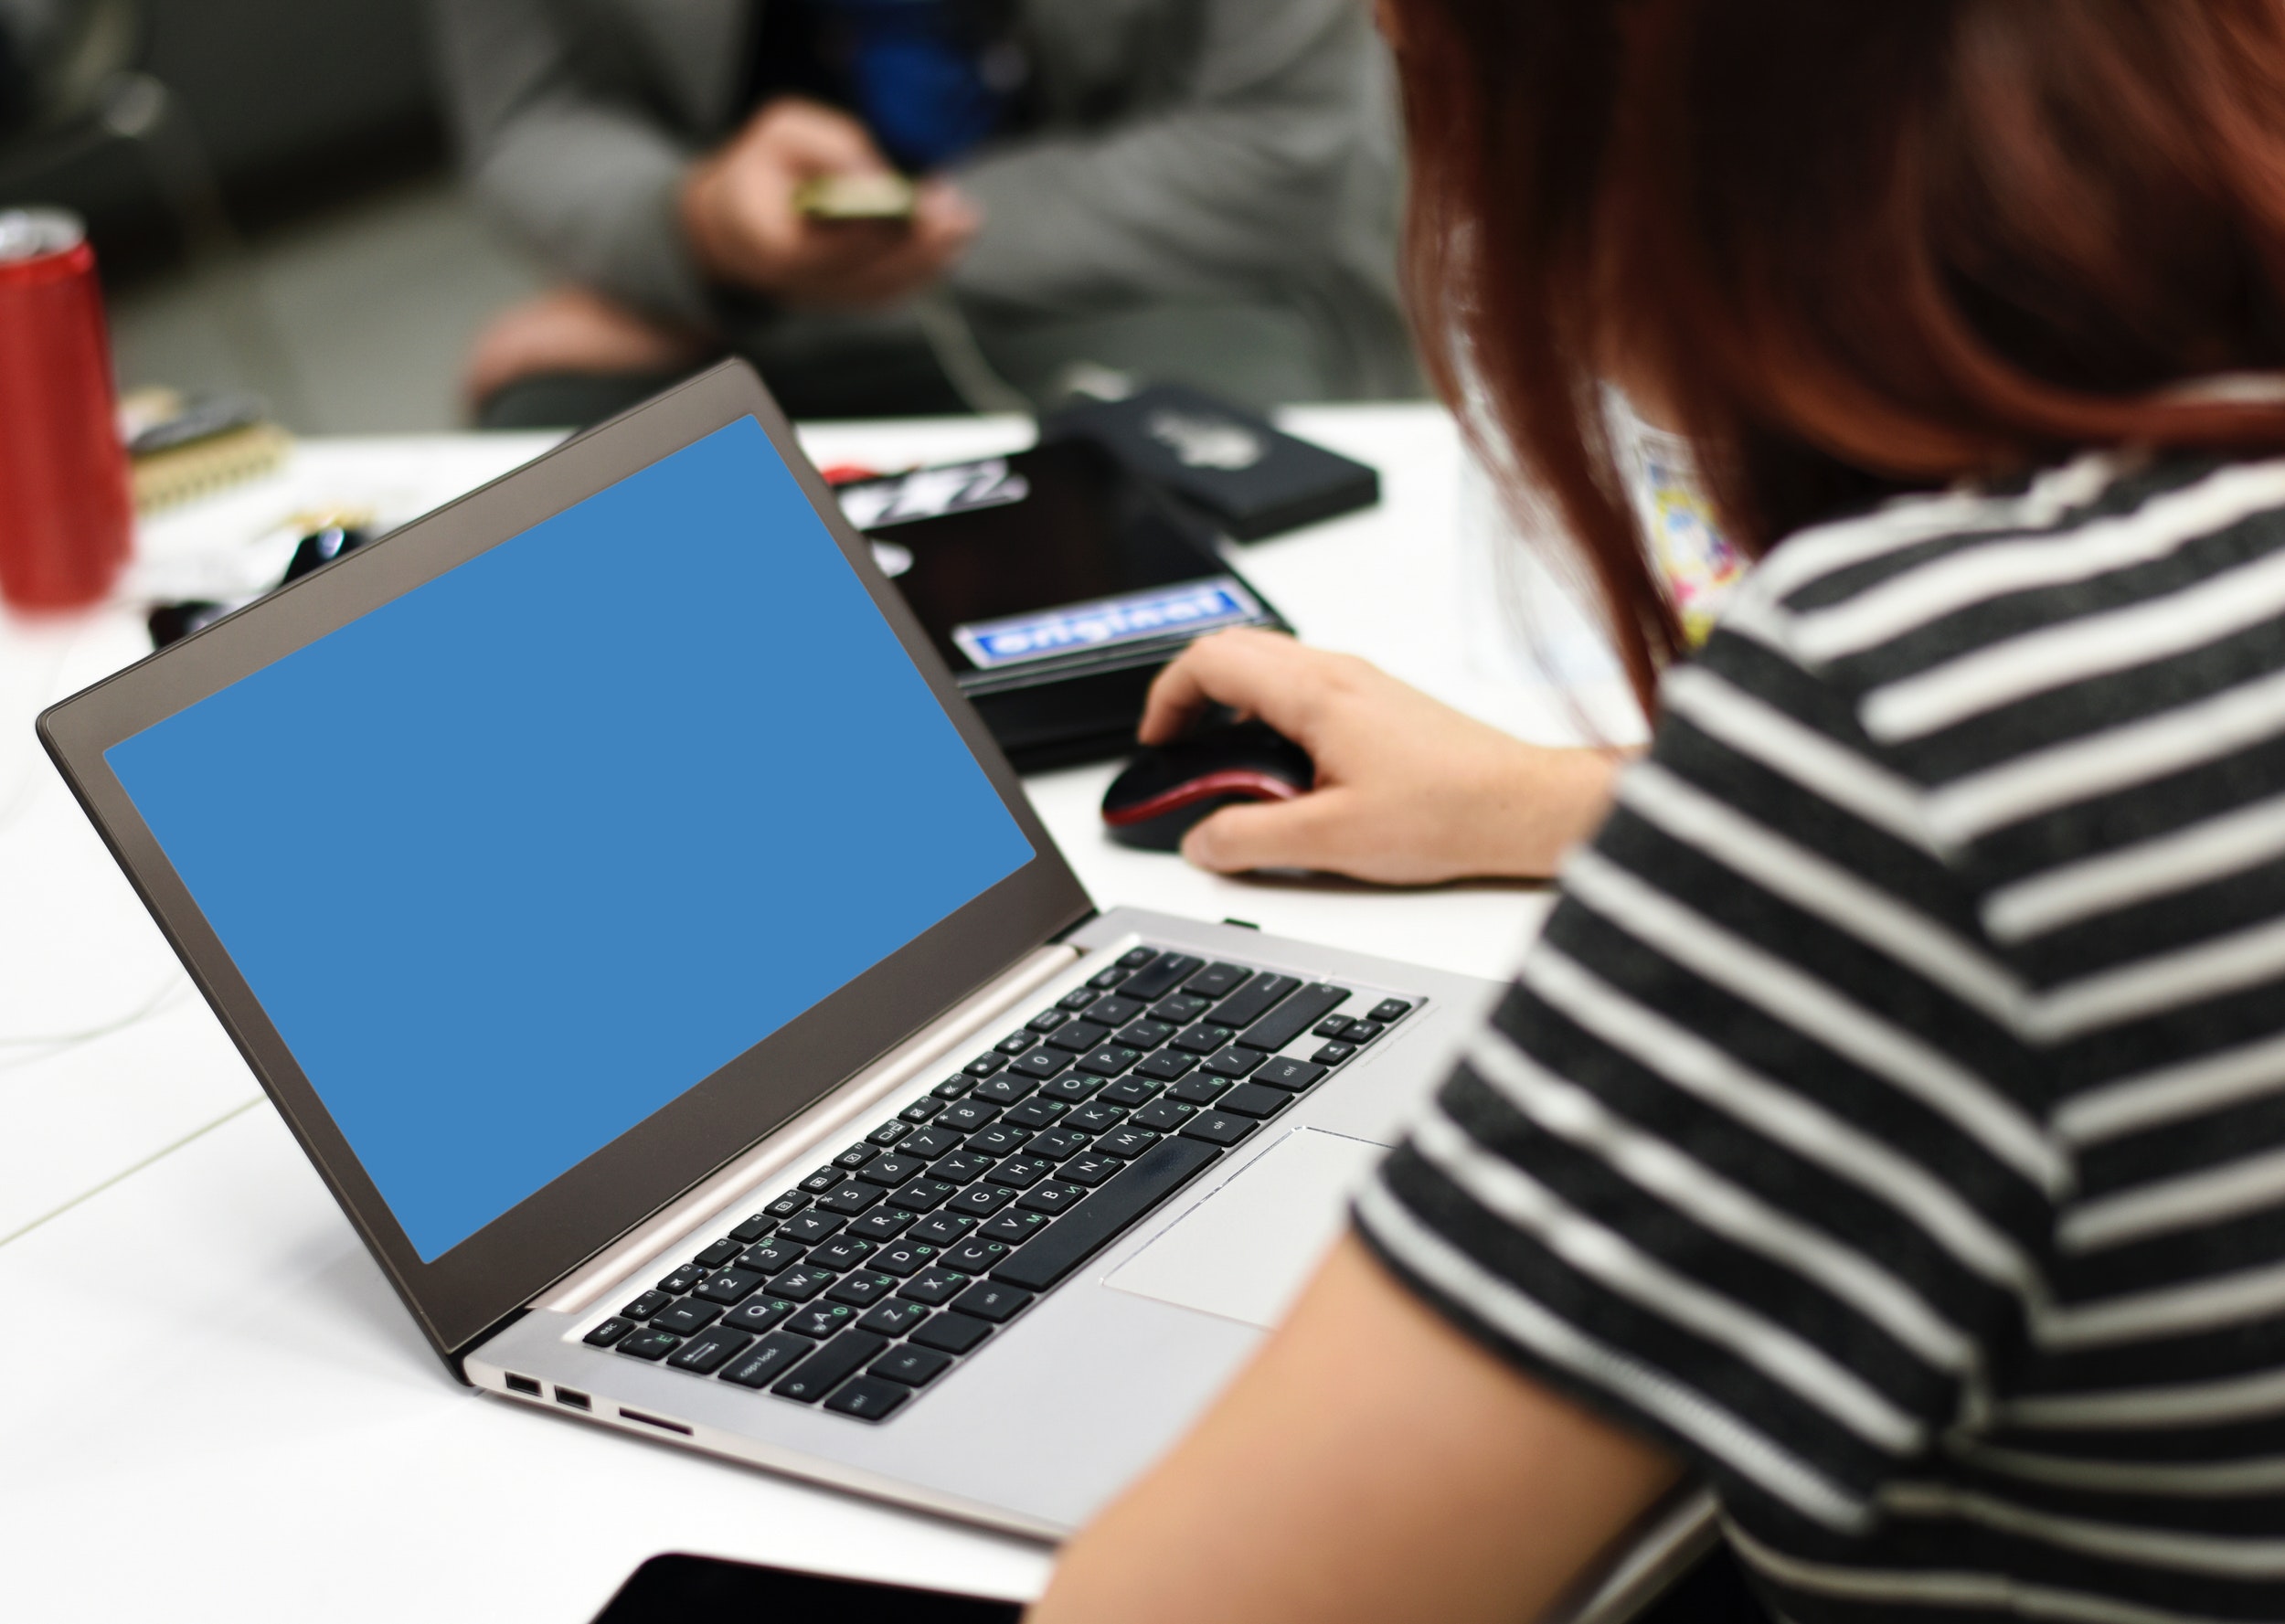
(1410, 792)
(1371, 1463)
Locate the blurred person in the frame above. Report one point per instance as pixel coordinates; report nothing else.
(1886, 1127)
(1203, 191)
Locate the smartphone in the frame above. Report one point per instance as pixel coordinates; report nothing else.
(857, 197)
(674, 1590)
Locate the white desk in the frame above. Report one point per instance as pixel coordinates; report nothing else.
(231, 1417)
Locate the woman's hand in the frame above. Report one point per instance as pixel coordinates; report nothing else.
(1410, 792)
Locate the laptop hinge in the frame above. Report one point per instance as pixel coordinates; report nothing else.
(577, 1291)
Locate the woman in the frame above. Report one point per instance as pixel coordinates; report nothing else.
(1889, 1126)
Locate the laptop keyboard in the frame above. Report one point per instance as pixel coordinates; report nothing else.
(912, 1247)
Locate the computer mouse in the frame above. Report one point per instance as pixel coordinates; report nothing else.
(1167, 788)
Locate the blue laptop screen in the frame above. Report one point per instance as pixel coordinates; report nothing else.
(515, 859)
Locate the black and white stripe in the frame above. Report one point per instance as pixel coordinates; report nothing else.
(1891, 1116)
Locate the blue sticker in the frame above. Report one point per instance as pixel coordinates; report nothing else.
(1184, 611)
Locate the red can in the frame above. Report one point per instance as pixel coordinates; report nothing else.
(66, 515)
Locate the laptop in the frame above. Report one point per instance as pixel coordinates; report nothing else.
(611, 886)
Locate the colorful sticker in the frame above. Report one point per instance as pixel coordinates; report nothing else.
(1188, 609)
(1700, 565)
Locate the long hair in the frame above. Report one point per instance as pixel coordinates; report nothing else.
(1859, 246)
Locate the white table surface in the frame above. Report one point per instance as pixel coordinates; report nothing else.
(215, 1407)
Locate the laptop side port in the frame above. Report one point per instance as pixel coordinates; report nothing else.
(654, 1421)
(577, 1401)
(525, 1385)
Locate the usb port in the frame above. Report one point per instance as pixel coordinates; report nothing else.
(524, 1385)
(577, 1401)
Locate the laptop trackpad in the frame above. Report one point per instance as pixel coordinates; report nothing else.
(1245, 1250)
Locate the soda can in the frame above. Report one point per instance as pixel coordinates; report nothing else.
(67, 516)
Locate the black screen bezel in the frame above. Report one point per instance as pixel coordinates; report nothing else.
(490, 1276)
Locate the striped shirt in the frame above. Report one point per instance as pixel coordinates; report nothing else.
(1891, 1117)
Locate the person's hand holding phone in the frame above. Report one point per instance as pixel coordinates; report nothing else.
(751, 212)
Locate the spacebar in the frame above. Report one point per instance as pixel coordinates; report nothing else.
(1096, 1222)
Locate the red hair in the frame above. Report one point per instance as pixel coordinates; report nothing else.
(1858, 248)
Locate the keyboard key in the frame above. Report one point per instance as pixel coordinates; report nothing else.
(1072, 1087)
(1256, 999)
(954, 1088)
(801, 1283)
(963, 1167)
(1169, 1115)
(1218, 981)
(922, 1194)
(915, 1367)
(888, 1133)
(608, 1333)
(731, 1285)
(1136, 958)
(937, 1285)
(850, 1198)
(891, 1170)
(854, 1157)
(1048, 1020)
(1058, 1144)
(1168, 1065)
(786, 1204)
(1126, 1142)
(1145, 1034)
(1089, 1170)
(1362, 1032)
(1293, 1076)
(1203, 1039)
(650, 1345)
(932, 1143)
(892, 1318)
(1095, 1117)
(975, 1256)
(1115, 1010)
(1019, 1172)
(753, 1229)
(1109, 1060)
(1230, 1062)
(1038, 1113)
(686, 1316)
(869, 1399)
(766, 1360)
(1162, 975)
(770, 1256)
(1133, 1088)
(988, 1299)
(981, 1201)
(1051, 1199)
(1078, 998)
(1180, 1009)
(820, 1321)
(810, 1227)
(822, 1179)
(1333, 1054)
(1005, 1089)
(1098, 1220)
(1000, 1139)
(719, 1253)
(819, 1374)
(983, 1065)
(883, 1222)
(649, 1303)
(1202, 1089)
(1331, 1027)
(1251, 1100)
(1294, 1016)
(1013, 1226)
(1102, 980)
(968, 1115)
(842, 1252)
(921, 1111)
(706, 1351)
(1016, 1042)
(1389, 1009)
(760, 1313)
(1041, 1063)
(954, 1333)
(942, 1229)
(1217, 1127)
(1080, 1036)
(904, 1260)
(863, 1289)
(681, 1279)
